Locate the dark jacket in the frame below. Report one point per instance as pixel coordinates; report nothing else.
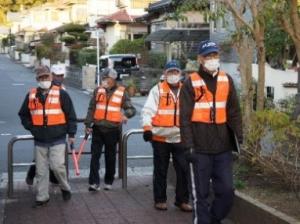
(129, 111)
(49, 134)
(204, 137)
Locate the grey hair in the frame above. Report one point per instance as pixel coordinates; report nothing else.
(109, 72)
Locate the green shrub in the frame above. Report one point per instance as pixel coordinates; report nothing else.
(87, 56)
(71, 28)
(272, 145)
(47, 39)
(128, 47)
(43, 51)
(74, 56)
(157, 60)
(68, 39)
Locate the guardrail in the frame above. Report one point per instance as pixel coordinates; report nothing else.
(122, 157)
(125, 137)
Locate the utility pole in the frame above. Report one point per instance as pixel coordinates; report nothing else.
(98, 58)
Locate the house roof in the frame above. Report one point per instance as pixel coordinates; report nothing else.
(158, 5)
(180, 34)
(121, 16)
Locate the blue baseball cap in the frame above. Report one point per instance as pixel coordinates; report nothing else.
(206, 47)
(172, 65)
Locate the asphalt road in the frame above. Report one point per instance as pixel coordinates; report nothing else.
(15, 81)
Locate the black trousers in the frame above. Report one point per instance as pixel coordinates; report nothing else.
(109, 139)
(162, 152)
(218, 168)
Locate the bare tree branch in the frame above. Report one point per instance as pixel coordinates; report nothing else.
(232, 8)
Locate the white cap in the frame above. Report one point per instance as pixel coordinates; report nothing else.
(58, 69)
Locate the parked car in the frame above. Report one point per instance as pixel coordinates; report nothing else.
(124, 64)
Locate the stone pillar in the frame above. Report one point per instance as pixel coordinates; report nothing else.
(88, 77)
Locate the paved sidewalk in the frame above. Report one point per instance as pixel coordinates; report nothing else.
(105, 207)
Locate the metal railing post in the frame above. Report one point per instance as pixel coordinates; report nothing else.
(120, 154)
(124, 151)
(10, 161)
(10, 171)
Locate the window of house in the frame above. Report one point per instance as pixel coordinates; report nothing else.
(270, 92)
(137, 36)
(54, 16)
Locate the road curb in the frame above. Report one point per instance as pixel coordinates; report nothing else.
(247, 210)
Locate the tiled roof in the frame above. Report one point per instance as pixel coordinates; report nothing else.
(120, 16)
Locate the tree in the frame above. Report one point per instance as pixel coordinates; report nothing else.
(254, 23)
(241, 40)
(288, 15)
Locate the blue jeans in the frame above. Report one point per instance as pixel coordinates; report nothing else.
(218, 169)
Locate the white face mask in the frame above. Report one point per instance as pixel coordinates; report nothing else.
(44, 84)
(173, 79)
(212, 65)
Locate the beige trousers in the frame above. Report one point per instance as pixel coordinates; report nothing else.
(54, 157)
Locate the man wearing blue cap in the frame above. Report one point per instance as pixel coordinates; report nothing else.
(209, 118)
(160, 120)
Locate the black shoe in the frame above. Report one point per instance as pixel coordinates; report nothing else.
(66, 195)
(39, 204)
(29, 180)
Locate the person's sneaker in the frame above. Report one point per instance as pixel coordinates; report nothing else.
(29, 180)
(185, 207)
(107, 187)
(94, 187)
(39, 204)
(161, 206)
(66, 195)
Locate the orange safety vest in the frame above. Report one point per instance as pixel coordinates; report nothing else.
(209, 108)
(49, 114)
(109, 108)
(167, 114)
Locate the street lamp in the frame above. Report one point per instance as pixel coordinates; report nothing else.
(99, 32)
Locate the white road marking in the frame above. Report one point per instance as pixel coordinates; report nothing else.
(18, 84)
(5, 134)
(2, 122)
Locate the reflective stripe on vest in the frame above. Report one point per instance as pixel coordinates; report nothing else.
(109, 108)
(168, 108)
(51, 113)
(206, 108)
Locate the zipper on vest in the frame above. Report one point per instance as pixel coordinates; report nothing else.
(175, 113)
(45, 118)
(212, 112)
(107, 102)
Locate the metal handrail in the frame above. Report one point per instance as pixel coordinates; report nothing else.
(125, 137)
(10, 159)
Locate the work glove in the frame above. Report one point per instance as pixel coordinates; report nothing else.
(147, 136)
(190, 154)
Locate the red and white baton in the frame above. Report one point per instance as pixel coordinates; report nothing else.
(81, 147)
(75, 162)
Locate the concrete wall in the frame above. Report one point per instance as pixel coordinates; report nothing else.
(274, 78)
